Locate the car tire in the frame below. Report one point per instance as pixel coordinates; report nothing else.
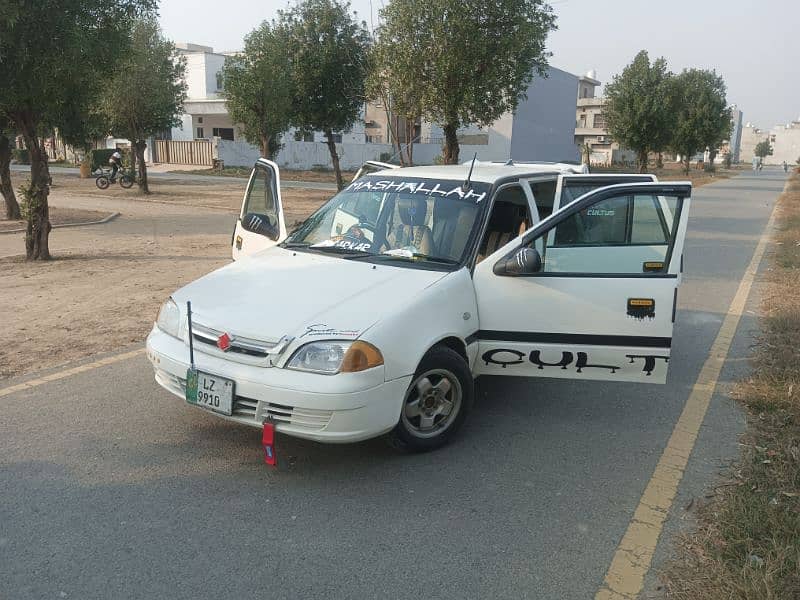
(436, 404)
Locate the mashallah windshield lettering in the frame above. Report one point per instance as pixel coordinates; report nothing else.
(426, 221)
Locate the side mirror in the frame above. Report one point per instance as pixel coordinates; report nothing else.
(523, 262)
(261, 224)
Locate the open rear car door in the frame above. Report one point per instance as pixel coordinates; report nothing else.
(261, 223)
(590, 292)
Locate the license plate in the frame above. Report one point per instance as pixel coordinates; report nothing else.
(209, 391)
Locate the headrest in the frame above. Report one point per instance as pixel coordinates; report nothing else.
(503, 217)
(412, 211)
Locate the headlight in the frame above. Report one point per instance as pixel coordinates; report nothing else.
(335, 357)
(169, 318)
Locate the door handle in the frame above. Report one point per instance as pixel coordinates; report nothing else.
(652, 266)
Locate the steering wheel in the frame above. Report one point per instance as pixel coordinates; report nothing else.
(354, 232)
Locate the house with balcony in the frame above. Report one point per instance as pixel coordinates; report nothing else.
(591, 128)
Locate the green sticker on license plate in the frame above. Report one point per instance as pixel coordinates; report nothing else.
(191, 386)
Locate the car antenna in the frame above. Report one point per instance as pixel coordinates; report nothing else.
(467, 184)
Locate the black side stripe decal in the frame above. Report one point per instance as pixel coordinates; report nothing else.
(471, 338)
(574, 338)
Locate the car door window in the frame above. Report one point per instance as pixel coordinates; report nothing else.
(260, 213)
(623, 234)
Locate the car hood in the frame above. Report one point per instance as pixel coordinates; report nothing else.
(304, 295)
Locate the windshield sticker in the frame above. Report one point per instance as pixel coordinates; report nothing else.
(321, 329)
(345, 244)
(414, 187)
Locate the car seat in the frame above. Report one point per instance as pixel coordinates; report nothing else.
(412, 230)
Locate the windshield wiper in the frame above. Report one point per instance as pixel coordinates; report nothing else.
(294, 244)
(340, 250)
(417, 256)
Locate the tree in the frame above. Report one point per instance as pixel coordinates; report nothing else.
(400, 98)
(6, 189)
(702, 117)
(51, 57)
(763, 149)
(258, 89)
(467, 61)
(328, 53)
(145, 94)
(638, 109)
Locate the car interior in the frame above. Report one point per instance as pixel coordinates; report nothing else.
(510, 218)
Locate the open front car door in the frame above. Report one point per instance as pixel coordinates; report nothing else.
(372, 166)
(590, 292)
(261, 222)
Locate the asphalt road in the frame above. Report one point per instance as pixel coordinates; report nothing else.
(112, 488)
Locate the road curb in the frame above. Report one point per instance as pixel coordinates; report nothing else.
(107, 219)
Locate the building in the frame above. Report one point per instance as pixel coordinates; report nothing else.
(205, 115)
(785, 144)
(734, 145)
(590, 126)
(751, 137)
(542, 127)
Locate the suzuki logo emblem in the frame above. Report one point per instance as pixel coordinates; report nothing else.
(224, 342)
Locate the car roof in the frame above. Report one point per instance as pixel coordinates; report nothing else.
(488, 172)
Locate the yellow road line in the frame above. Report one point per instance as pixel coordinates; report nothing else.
(625, 577)
(32, 383)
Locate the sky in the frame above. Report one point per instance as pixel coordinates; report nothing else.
(754, 45)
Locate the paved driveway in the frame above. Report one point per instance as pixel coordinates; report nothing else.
(112, 488)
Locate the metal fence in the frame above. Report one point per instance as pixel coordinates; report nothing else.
(196, 152)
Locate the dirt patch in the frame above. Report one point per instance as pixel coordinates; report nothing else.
(106, 295)
(286, 174)
(227, 196)
(60, 216)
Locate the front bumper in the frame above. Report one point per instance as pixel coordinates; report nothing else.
(347, 407)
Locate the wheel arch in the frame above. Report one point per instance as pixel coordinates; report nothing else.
(454, 343)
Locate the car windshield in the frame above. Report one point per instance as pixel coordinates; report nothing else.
(384, 218)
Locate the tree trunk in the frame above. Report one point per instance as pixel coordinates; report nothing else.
(133, 157)
(334, 159)
(687, 163)
(397, 145)
(712, 156)
(138, 148)
(641, 161)
(264, 143)
(410, 126)
(12, 206)
(38, 212)
(450, 149)
(660, 161)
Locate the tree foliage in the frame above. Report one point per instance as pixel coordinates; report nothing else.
(328, 53)
(763, 149)
(52, 55)
(639, 108)
(702, 118)
(145, 93)
(258, 87)
(462, 61)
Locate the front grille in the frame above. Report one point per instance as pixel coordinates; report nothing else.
(238, 344)
(291, 415)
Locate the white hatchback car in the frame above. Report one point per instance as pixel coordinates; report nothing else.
(375, 315)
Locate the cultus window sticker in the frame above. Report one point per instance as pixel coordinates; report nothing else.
(415, 187)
